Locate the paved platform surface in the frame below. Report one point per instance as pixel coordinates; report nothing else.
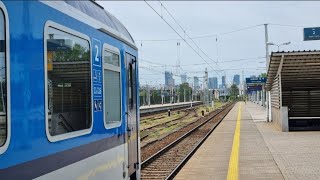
(211, 161)
(264, 151)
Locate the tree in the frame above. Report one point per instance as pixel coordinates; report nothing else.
(185, 90)
(234, 92)
(75, 53)
(263, 75)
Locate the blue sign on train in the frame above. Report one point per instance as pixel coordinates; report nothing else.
(97, 75)
(96, 47)
(312, 33)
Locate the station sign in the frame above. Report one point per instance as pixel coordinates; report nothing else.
(254, 88)
(256, 80)
(312, 33)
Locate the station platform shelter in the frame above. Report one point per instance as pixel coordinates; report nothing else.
(293, 82)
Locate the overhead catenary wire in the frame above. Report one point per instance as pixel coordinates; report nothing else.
(197, 64)
(186, 33)
(223, 33)
(287, 25)
(208, 36)
(180, 36)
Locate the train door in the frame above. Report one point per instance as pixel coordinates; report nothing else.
(132, 118)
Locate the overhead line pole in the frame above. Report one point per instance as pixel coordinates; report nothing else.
(267, 62)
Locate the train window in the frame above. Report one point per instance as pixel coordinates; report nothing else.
(3, 81)
(112, 87)
(130, 94)
(68, 84)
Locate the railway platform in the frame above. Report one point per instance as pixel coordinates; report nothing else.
(244, 146)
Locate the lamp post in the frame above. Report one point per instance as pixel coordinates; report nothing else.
(283, 44)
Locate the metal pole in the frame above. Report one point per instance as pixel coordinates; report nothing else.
(178, 94)
(148, 95)
(192, 94)
(267, 62)
(172, 98)
(206, 87)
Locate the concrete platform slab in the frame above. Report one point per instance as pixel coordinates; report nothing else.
(296, 153)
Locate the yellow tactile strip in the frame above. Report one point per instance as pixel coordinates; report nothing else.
(233, 170)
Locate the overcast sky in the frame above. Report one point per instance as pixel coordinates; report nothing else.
(210, 18)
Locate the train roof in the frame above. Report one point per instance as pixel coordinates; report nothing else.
(97, 12)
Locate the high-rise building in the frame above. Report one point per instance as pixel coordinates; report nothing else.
(210, 83)
(215, 83)
(236, 79)
(168, 79)
(223, 81)
(196, 85)
(183, 78)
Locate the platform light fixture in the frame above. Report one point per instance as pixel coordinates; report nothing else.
(283, 44)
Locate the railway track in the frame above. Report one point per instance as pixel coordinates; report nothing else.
(175, 119)
(165, 163)
(158, 127)
(152, 147)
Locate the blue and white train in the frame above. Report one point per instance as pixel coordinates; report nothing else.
(68, 92)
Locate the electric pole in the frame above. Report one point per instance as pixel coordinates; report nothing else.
(148, 94)
(206, 86)
(267, 62)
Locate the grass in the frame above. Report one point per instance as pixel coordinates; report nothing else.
(150, 123)
(163, 131)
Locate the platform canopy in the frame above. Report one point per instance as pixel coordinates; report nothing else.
(294, 82)
(299, 69)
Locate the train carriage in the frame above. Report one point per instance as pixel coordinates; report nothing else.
(68, 92)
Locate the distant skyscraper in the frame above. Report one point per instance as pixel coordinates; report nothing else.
(215, 83)
(236, 79)
(196, 85)
(210, 83)
(183, 78)
(168, 79)
(223, 81)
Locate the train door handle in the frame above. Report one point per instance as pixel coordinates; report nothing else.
(129, 129)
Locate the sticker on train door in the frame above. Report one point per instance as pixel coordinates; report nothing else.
(96, 47)
(96, 75)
